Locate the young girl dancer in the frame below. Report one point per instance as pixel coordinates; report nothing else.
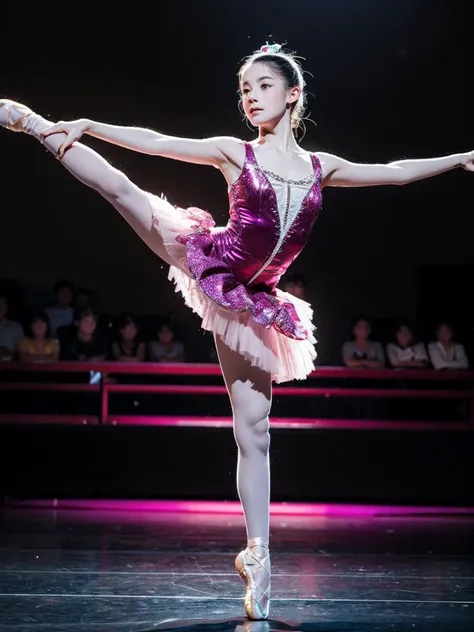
(229, 275)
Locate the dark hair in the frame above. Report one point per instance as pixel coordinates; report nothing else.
(400, 324)
(63, 285)
(288, 67)
(444, 322)
(165, 323)
(39, 317)
(403, 323)
(83, 312)
(359, 318)
(295, 278)
(84, 292)
(126, 318)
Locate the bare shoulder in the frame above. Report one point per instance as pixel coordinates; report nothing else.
(329, 164)
(232, 149)
(328, 161)
(232, 152)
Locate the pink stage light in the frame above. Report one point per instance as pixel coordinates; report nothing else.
(234, 508)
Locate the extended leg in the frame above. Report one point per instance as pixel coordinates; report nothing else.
(90, 168)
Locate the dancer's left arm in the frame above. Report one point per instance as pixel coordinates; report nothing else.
(338, 172)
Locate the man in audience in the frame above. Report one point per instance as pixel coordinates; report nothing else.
(62, 313)
(85, 342)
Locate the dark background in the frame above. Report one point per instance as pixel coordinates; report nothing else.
(389, 79)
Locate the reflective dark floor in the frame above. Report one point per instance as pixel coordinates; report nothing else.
(75, 570)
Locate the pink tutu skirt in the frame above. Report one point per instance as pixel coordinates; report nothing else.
(284, 357)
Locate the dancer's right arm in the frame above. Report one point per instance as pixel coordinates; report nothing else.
(210, 151)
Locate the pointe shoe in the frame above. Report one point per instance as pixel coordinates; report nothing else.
(254, 568)
(13, 115)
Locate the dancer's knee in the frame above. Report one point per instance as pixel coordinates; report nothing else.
(252, 434)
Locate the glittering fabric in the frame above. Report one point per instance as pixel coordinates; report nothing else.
(239, 266)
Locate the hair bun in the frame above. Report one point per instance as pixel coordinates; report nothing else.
(272, 49)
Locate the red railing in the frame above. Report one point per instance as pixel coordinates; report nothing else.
(298, 389)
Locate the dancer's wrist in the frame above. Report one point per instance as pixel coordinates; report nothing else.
(89, 125)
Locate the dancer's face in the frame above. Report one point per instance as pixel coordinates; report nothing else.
(265, 96)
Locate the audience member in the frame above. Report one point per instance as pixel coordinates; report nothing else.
(62, 313)
(444, 353)
(38, 346)
(128, 347)
(166, 348)
(86, 342)
(11, 332)
(405, 352)
(295, 284)
(83, 298)
(361, 352)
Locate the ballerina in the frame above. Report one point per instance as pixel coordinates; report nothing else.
(228, 275)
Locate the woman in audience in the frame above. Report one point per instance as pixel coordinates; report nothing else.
(128, 347)
(166, 348)
(361, 352)
(38, 345)
(444, 353)
(405, 352)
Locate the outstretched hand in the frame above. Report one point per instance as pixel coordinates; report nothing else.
(73, 131)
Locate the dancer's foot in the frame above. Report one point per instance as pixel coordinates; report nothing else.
(19, 118)
(13, 115)
(253, 565)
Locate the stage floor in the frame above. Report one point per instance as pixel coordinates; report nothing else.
(106, 571)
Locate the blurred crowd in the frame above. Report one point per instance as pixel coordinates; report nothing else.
(71, 329)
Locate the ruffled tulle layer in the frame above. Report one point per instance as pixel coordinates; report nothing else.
(285, 349)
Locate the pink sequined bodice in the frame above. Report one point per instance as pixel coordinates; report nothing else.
(239, 265)
(254, 243)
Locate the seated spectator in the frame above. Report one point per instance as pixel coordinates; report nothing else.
(128, 347)
(38, 346)
(83, 298)
(166, 348)
(295, 284)
(86, 341)
(405, 352)
(11, 332)
(444, 353)
(361, 352)
(62, 313)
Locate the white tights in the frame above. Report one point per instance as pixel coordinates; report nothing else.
(250, 392)
(249, 387)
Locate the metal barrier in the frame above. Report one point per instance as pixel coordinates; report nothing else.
(107, 387)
